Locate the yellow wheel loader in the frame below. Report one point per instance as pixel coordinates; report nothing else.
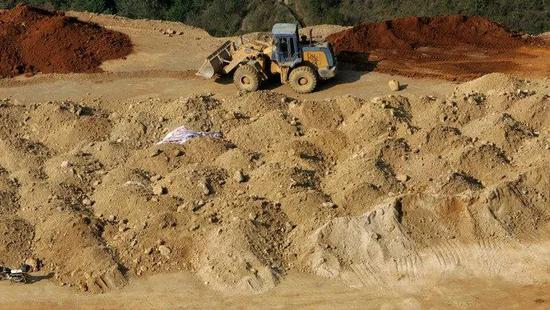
(298, 61)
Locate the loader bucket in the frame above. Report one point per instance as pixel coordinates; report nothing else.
(216, 61)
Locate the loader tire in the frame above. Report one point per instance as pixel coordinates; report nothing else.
(303, 79)
(246, 78)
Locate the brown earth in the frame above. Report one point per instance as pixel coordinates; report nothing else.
(354, 184)
(450, 47)
(34, 40)
(429, 185)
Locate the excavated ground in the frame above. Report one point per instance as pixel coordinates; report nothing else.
(456, 48)
(434, 182)
(34, 40)
(363, 190)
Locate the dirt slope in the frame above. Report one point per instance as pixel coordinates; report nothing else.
(429, 185)
(449, 47)
(33, 40)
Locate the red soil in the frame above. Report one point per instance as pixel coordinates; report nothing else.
(34, 40)
(449, 47)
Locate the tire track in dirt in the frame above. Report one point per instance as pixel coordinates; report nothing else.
(100, 77)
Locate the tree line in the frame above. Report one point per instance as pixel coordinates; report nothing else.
(229, 17)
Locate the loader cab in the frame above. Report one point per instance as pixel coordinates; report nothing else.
(286, 48)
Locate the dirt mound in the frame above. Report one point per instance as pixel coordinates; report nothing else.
(445, 46)
(413, 32)
(34, 40)
(392, 188)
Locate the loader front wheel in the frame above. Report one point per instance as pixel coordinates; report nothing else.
(303, 80)
(246, 78)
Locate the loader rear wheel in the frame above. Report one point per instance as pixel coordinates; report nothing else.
(246, 78)
(303, 80)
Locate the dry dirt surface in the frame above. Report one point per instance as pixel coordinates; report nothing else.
(457, 48)
(33, 40)
(362, 190)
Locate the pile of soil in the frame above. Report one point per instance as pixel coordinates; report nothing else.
(34, 40)
(368, 191)
(451, 47)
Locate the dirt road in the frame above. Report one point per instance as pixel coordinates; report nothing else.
(183, 291)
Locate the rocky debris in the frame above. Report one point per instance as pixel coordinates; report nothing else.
(394, 85)
(155, 152)
(243, 211)
(159, 190)
(402, 178)
(329, 204)
(205, 187)
(171, 32)
(239, 176)
(164, 250)
(34, 264)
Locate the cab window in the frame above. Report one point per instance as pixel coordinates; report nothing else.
(292, 51)
(283, 46)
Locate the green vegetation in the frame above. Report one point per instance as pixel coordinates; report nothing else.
(225, 17)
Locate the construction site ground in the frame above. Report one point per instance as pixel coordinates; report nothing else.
(462, 190)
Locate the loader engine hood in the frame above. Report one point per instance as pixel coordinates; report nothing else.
(322, 47)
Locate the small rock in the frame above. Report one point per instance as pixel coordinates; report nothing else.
(329, 204)
(402, 178)
(181, 208)
(164, 250)
(213, 218)
(198, 205)
(289, 226)
(155, 152)
(239, 177)
(159, 190)
(65, 164)
(394, 85)
(33, 263)
(178, 153)
(205, 188)
(155, 178)
(87, 202)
